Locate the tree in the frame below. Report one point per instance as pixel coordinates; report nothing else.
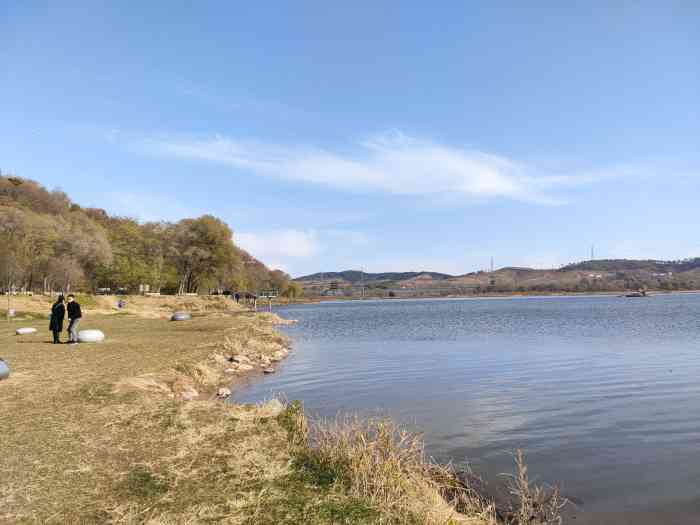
(46, 239)
(293, 291)
(279, 281)
(201, 248)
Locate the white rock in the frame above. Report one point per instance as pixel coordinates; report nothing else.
(245, 368)
(4, 370)
(90, 336)
(181, 316)
(230, 371)
(240, 359)
(25, 331)
(223, 392)
(269, 370)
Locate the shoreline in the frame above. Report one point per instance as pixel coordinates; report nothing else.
(139, 432)
(507, 295)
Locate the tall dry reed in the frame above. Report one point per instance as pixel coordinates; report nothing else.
(378, 460)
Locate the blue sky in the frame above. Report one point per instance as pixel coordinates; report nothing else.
(379, 135)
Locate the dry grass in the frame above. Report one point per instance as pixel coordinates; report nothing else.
(70, 439)
(99, 434)
(532, 503)
(378, 461)
(153, 307)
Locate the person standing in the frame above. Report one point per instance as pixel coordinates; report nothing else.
(74, 315)
(58, 313)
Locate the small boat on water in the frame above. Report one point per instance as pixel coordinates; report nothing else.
(640, 293)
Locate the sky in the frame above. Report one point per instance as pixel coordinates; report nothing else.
(378, 136)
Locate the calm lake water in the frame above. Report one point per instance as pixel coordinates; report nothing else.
(603, 393)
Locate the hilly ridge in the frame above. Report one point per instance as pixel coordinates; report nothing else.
(356, 276)
(587, 276)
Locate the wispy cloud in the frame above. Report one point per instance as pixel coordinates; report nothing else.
(392, 163)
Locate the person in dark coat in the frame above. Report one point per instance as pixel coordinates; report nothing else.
(74, 316)
(58, 313)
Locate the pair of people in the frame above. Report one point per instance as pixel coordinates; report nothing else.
(58, 314)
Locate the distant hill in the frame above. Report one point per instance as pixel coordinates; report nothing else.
(588, 276)
(627, 265)
(355, 276)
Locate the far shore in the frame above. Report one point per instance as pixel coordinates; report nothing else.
(493, 295)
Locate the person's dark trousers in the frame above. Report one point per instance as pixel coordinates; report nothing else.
(56, 337)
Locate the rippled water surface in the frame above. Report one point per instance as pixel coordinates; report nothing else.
(603, 393)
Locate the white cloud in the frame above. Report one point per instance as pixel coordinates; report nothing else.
(391, 163)
(279, 245)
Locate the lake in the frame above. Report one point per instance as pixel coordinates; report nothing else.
(603, 393)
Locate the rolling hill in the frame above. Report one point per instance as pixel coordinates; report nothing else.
(587, 276)
(356, 276)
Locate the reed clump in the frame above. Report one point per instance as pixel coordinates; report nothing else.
(532, 503)
(379, 461)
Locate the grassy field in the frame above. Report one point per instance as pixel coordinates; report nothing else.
(77, 448)
(102, 434)
(152, 307)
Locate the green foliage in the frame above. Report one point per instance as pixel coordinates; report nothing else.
(289, 418)
(142, 483)
(293, 291)
(318, 469)
(54, 244)
(291, 502)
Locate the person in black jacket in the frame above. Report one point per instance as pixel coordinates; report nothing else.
(58, 312)
(74, 315)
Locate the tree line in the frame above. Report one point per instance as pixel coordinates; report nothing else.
(49, 243)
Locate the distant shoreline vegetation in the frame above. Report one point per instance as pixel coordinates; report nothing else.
(595, 276)
(52, 244)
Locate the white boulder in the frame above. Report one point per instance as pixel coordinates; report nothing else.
(25, 331)
(181, 316)
(91, 336)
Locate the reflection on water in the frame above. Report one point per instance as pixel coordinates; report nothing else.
(603, 393)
